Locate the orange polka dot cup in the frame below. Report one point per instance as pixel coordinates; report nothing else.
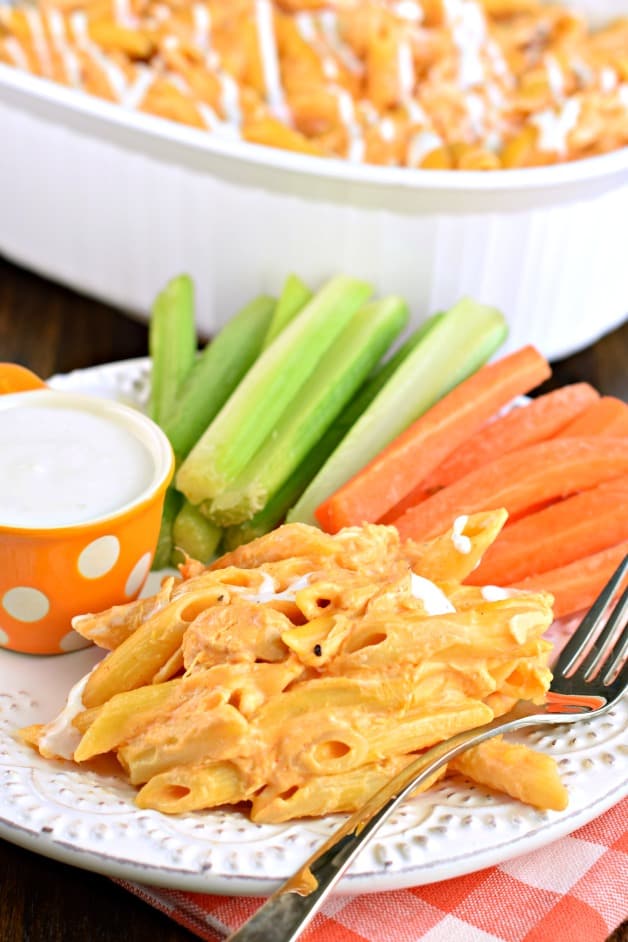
(82, 485)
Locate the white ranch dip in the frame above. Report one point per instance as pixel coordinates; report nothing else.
(61, 465)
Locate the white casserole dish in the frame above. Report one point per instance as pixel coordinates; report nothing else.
(114, 202)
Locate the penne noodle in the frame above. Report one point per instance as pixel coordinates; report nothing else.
(411, 732)
(472, 634)
(515, 769)
(189, 788)
(317, 641)
(199, 730)
(109, 629)
(136, 661)
(123, 717)
(471, 534)
(111, 36)
(170, 668)
(344, 792)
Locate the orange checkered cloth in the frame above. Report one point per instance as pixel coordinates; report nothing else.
(573, 890)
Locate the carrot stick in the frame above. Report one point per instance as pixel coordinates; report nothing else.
(576, 585)
(607, 416)
(519, 481)
(541, 419)
(422, 446)
(561, 533)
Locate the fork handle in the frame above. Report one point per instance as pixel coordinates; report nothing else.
(286, 913)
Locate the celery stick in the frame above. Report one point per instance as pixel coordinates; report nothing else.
(249, 416)
(453, 348)
(294, 296)
(332, 384)
(194, 535)
(287, 495)
(216, 373)
(275, 510)
(380, 377)
(171, 344)
(172, 504)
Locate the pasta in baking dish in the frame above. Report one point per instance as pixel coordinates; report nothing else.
(462, 84)
(301, 671)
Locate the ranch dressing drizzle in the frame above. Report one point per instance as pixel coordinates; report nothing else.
(387, 129)
(179, 83)
(346, 110)
(476, 109)
(306, 27)
(230, 100)
(160, 13)
(16, 52)
(229, 90)
(461, 542)
(309, 33)
(61, 737)
(498, 62)
(493, 141)
(270, 60)
(554, 129)
(113, 73)
(201, 18)
(40, 45)
(468, 28)
(135, 93)
(495, 95)
(434, 599)
(267, 591)
(407, 82)
(555, 78)
(408, 10)
(123, 15)
(495, 593)
(422, 144)
(329, 25)
(608, 79)
(582, 70)
(70, 62)
(210, 119)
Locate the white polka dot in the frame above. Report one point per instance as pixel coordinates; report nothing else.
(73, 642)
(99, 557)
(138, 574)
(4, 638)
(26, 604)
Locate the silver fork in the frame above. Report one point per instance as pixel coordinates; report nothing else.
(590, 676)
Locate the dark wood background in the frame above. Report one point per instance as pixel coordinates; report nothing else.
(51, 329)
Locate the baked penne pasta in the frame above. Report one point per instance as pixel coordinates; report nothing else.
(476, 85)
(300, 671)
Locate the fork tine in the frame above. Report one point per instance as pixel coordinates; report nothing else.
(590, 623)
(603, 645)
(618, 651)
(610, 669)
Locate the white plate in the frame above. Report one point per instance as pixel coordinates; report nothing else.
(91, 821)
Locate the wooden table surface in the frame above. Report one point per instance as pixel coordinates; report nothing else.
(50, 329)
